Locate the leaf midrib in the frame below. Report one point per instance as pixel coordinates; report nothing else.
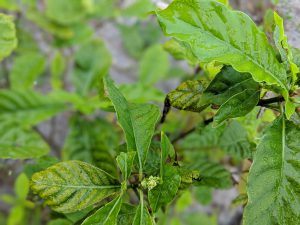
(78, 186)
(236, 49)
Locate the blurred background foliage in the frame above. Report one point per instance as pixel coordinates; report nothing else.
(52, 104)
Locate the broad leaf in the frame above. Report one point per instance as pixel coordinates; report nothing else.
(106, 215)
(238, 105)
(227, 84)
(273, 183)
(20, 143)
(137, 121)
(73, 185)
(154, 65)
(232, 138)
(8, 39)
(216, 33)
(65, 12)
(92, 62)
(91, 141)
(142, 216)
(165, 192)
(126, 214)
(211, 174)
(26, 69)
(125, 163)
(27, 107)
(187, 96)
(234, 141)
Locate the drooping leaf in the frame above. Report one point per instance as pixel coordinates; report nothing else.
(73, 185)
(229, 89)
(65, 12)
(91, 141)
(26, 68)
(125, 163)
(216, 33)
(273, 182)
(238, 105)
(126, 214)
(137, 121)
(106, 215)
(27, 107)
(8, 39)
(165, 192)
(227, 84)
(187, 96)
(154, 65)
(211, 174)
(20, 143)
(92, 62)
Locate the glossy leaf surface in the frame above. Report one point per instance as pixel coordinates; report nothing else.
(215, 32)
(137, 121)
(73, 185)
(273, 183)
(106, 215)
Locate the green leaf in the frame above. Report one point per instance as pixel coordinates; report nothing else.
(281, 43)
(53, 28)
(234, 140)
(8, 39)
(273, 182)
(126, 214)
(166, 150)
(125, 163)
(238, 105)
(154, 65)
(180, 50)
(25, 70)
(139, 8)
(216, 33)
(187, 96)
(132, 40)
(91, 141)
(27, 107)
(20, 143)
(92, 62)
(57, 68)
(60, 222)
(22, 186)
(65, 12)
(142, 216)
(106, 215)
(73, 185)
(137, 121)
(227, 84)
(211, 174)
(164, 193)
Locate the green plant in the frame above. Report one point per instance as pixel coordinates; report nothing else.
(244, 95)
